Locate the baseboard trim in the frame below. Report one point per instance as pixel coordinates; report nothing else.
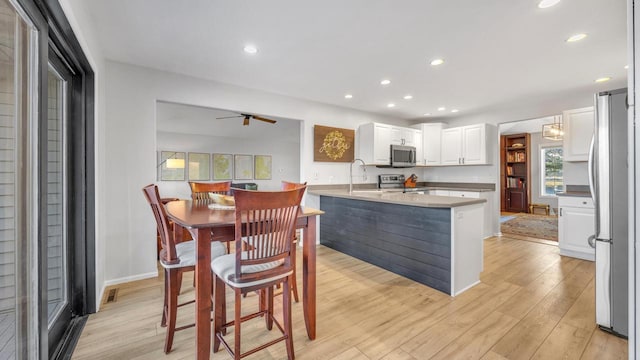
(127, 279)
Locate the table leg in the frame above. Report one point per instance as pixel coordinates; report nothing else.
(309, 277)
(203, 293)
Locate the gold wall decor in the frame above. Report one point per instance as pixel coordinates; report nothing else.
(333, 144)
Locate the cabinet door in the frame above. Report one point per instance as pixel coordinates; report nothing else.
(517, 200)
(397, 135)
(451, 146)
(382, 144)
(431, 143)
(578, 130)
(417, 142)
(474, 144)
(575, 225)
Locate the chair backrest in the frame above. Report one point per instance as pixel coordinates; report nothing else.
(286, 185)
(266, 220)
(200, 191)
(168, 253)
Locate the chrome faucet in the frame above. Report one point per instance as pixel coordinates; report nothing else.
(351, 173)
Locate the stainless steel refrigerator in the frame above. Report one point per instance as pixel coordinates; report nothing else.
(608, 170)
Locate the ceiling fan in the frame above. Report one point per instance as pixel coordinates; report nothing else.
(247, 117)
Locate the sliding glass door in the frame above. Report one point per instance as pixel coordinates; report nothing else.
(19, 99)
(47, 271)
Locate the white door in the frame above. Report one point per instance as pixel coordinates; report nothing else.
(451, 146)
(575, 225)
(431, 143)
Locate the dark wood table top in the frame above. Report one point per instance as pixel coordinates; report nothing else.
(197, 214)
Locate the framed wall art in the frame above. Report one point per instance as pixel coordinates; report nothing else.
(222, 166)
(199, 166)
(243, 167)
(333, 144)
(262, 167)
(171, 165)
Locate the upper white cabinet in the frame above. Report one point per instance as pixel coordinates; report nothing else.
(466, 145)
(578, 130)
(375, 139)
(431, 143)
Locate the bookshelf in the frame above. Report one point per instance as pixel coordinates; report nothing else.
(515, 172)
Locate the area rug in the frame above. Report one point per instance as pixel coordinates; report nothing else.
(536, 226)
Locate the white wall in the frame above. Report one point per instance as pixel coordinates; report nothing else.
(285, 157)
(130, 152)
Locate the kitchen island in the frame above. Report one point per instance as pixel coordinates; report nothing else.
(435, 240)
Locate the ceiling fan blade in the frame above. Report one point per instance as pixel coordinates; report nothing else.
(246, 121)
(229, 117)
(264, 119)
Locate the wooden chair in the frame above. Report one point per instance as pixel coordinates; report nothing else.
(175, 258)
(286, 185)
(200, 191)
(266, 220)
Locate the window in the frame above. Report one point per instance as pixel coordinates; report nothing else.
(551, 170)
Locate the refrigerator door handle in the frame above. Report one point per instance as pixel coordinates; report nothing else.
(592, 241)
(592, 175)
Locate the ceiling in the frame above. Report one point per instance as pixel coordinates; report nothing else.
(497, 53)
(188, 119)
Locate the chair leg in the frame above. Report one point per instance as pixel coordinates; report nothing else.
(163, 322)
(172, 309)
(286, 314)
(220, 310)
(294, 282)
(268, 306)
(237, 325)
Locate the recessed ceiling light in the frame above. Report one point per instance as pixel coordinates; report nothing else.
(348, 96)
(626, 66)
(250, 49)
(547, 3)
(408, 97)
(436, 62)
(576, 37)
(602, 79)
(455, 110)
(426, 114)
(385, 82)
(391, 105)
(442, 108)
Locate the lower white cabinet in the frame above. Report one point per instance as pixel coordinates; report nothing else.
(487, 230)
(576, 222)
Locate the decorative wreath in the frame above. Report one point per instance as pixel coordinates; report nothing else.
(334, 145)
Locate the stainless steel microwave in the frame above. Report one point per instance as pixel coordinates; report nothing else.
(403, 156)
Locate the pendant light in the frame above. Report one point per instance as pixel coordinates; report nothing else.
(555, 130)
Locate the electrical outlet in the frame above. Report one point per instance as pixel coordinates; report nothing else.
(316, 175)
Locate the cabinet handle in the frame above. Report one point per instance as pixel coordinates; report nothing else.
(560, 211)
(463, 160)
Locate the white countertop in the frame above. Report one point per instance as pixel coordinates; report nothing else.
(411, 199)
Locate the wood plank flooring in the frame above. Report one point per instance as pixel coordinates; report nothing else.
(531, 304)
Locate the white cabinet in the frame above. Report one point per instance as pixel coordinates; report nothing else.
(431, 143)
(576, 222)
(375, 139)
(403, 136)
(487, 230)
(466, 145)
(578, 129)
(451, 153)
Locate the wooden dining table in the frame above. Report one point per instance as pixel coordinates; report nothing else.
(208, 225)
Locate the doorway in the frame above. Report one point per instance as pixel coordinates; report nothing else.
(529, 165)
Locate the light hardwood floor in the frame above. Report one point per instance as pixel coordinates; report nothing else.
(531, 304)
